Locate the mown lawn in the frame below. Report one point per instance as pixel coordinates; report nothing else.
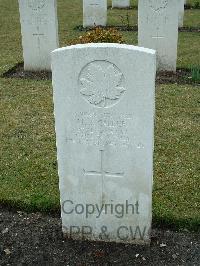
(29, 177)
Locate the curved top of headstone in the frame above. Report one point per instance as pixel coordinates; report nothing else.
(101, 70)
(106, 45)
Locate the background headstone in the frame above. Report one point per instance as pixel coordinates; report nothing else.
(39, 32)
(181, 13)
(104, 115)
(158, 29)
(120, 3)
(94, 13)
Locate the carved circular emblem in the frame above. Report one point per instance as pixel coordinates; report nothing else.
(102, 83)
(36, 4)
(158, 5)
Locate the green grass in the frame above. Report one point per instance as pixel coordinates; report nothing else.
(29, 163)
(177, 173)
(29, 177)
(195, 73)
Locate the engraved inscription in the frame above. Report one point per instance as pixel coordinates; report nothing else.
(100, 130)
(158, 5)
(36, 4)
(101, 84)
(39, 19)
(153, 17)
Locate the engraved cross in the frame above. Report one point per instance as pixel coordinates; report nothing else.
(102, 171)
(38, 36)
(157, 36)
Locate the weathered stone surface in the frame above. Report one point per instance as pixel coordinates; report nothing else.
(94, 13)
(104, 115)
(39, 33)
(121, 3)
(158, 29)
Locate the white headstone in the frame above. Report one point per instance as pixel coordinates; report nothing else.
(181, 13)
(94, 13)
(121, 3)
(104, 115)
(39, 33)
(158, 29)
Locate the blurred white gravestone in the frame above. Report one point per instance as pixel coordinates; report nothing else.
(39, 32)
(121, 3)
(181, 13)
(104, 115)
(94, 13)
(158, 29)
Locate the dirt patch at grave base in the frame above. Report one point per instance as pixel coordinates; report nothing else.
(18, 72)
(181, 76)
(187, 6)
(36, 239)
(126, 27)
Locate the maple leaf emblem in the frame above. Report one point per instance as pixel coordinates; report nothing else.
(158, 5)
(35, 5)
(102, 84)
